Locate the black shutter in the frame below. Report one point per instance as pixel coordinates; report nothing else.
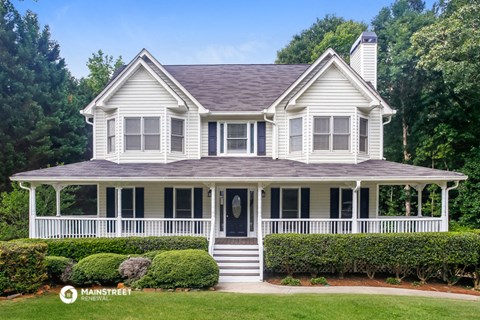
(212, 138)
(168, 207)
(140, 208)
(198, 208)
(334, 206)
(261, 139)
(305, 209)
(111, 209)
(275, 207)
(364, 202)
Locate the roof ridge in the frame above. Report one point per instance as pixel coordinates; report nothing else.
(235, 64)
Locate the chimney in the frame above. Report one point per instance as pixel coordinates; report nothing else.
(363, 57)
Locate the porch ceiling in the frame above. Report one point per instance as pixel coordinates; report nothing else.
(256, 169)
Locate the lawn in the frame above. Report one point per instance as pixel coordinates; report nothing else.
(216, 305)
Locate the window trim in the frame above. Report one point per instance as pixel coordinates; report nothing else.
(175, 201)
(299, 205)
(222, 139)
(175, 135)
(142, 133)
(109, 151)
(367, 135)
(290, 135)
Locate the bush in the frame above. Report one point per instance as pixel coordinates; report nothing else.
(101, 268)
(80, 248)
(321, 280)
(428, 254)
(134, 268)
(290, 281)
(181, 269)
(22, 267)
(56, 266)
(152, 254)
(393, 281)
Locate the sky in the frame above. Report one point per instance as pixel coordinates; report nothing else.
(186, 32)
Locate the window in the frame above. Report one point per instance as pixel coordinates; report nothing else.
(296, 130)
(142, 133)
(111, 136)
(151, 133)
(133, 136)
(183, 203)
(237, 137)
(363, 135)
(127, 203)
(290, 203)
(177, 135)
(341, 133)
(346, 203)
(321, 133)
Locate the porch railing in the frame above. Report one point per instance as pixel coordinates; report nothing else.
(93, 226)
(343, 226)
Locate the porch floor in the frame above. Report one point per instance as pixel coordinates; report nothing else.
(239, 241)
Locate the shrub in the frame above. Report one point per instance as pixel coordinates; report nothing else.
(22, 267)
(56, 266)
(393, 281)
(181, 269)
(320, 280)
(290, 281)
(80, 248)
(134, 268)
(416, 283)
(101, 268)
(152, 254)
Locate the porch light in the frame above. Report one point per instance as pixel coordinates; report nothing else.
(209, 193)
(263, 193)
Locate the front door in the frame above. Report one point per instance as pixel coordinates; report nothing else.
(237, 213)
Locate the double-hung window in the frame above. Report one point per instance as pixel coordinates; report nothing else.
(237, 138)
(296, 135)
(290, 203)
(111, 136)
(142, 133)
(363, 135)
(331, 133)
(177, 135)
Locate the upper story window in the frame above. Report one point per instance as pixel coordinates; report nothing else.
(111, 136)
(290, 203)
(183, 203)
(177, 135)
(363, 135)
(331, 133)
(237, 138)
(296, 134)
(142, 133)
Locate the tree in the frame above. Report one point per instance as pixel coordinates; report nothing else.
(300, 48)
(340, 40)
(102, 67)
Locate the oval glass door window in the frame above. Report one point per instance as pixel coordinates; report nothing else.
(236, 206)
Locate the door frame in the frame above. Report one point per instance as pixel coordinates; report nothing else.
(218, 205)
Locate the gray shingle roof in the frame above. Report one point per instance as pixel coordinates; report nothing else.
(234, 169)
(236, 87)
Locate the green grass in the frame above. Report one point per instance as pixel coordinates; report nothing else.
(215, 305)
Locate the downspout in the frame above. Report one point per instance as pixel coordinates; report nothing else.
(274, 134)
(389, 120)
(31, 211)
(381, 136)
(445, 218)
(93, 135)
(355, 207)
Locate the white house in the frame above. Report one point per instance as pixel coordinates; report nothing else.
(236, 152)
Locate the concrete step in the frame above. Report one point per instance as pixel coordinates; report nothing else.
(249, 278)
(247, 265)
(239, 272)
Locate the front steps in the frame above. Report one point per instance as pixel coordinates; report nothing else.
(237, 262)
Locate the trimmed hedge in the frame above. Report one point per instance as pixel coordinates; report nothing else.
(181, 269)
(426, 254)
(152, 254)
(56, 266)
(80, 248)
(100, 268)
(22, 267)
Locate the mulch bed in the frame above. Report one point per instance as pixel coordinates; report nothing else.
(379, 281)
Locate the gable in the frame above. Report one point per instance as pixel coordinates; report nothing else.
(333, 87)
(142, 89)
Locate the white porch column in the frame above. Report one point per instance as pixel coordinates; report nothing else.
(355, 208)
(444, 226)
(211, 242)
(33, 212)
(58, 188)
(259, 229)
(119, 211)
(419, 189)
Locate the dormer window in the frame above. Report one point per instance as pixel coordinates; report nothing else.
(363, 135)
(142, 134)
(177, 135)
(237, 138)
(111, 136)
(331, 133)
(296, 135)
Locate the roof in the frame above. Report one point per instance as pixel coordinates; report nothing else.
(255, 169)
